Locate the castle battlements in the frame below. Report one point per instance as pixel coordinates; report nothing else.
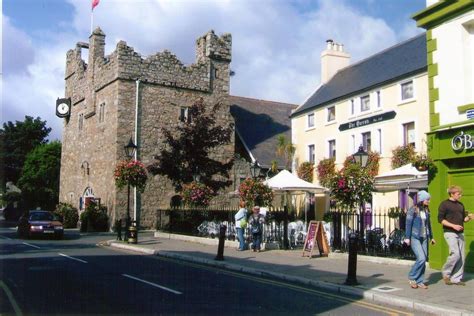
(213, 54)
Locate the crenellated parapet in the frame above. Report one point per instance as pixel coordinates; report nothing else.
(162, 68)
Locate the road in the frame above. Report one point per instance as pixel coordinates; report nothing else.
(76, 276)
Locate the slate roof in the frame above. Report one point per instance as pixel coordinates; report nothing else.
(402, 60)
(258, 123)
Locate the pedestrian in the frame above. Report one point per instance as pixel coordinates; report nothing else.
(256, 222)
(417, 233)
(452, 215)
(241, 224)
(118, 228)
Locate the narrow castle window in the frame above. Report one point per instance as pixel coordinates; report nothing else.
(101, 112)
(81, 121)
(184, 115)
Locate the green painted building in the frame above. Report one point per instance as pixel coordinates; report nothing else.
(450, 47)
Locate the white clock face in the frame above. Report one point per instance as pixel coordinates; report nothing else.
(63, 108)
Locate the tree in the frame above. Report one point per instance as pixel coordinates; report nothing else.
(39, 180)
(188, 149)
(285, 149)
(18, 139)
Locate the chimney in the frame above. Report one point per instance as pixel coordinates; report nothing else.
(333, 58)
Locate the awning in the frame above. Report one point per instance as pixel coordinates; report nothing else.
(405, 177)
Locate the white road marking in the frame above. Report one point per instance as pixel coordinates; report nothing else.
(72, 258)
(25, 243)
(152, 284)
(11, 298)
(5, 237)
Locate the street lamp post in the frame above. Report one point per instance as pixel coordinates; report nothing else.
(130, 149)
(361, 158)
(255, 169)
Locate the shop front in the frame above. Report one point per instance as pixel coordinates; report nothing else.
(452, 149)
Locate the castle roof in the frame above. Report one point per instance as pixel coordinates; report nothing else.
(395, 63)
(258, 124)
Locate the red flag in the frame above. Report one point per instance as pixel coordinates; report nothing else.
(95, 3)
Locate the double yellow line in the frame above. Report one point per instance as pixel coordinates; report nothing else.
(340, 298)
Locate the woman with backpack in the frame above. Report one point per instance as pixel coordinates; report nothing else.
(256, 222)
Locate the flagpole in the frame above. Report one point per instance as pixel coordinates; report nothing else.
(92, 19)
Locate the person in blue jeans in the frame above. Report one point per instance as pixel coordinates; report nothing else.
(256, 222)
(417, 233)
(241, 224)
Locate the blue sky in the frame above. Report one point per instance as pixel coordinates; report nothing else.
(276, 43)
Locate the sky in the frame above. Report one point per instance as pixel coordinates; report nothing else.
(276, 44)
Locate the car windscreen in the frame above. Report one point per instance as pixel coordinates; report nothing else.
(41, 217)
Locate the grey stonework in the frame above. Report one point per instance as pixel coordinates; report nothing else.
(90, 154)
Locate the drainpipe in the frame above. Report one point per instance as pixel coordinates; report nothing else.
(136, 151)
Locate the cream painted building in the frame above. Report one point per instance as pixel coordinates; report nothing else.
(379, 103)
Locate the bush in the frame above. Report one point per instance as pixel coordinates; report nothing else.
(305, 171)
(94, 218)
(68, 214)
(402, 155)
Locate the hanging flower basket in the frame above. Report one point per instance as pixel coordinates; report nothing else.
(255, 192)
(131, 172)
(423, 163)
(197, 194)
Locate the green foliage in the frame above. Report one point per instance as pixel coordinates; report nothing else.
(131, 172)
(424, 163)
(402, 155)
(39, 179)
(18, 139)
(394, 212)
(326, 171)
(306, 170)
(285, 149)
(11, 197)
(197, 194)
(255, 192)
(327, 217)
(94, 218)
(188, 149)
(68, 214)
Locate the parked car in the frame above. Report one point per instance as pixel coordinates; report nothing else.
(40, 223)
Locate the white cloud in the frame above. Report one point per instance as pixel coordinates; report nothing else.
(276, 44)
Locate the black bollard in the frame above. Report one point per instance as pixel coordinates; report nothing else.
(220, 248)
(352, 263)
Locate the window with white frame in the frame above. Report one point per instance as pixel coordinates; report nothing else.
(366, 141)
(409, 134)
(311, 154)
(365, 103)
(352, 107)
(407, 90)
(379, 100)
(184, 114)
(310, 120)
(332, 148)
(101, 112)
(331, 113)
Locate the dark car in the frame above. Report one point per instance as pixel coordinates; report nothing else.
(40, 223)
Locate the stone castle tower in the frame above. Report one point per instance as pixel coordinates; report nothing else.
(114, 95)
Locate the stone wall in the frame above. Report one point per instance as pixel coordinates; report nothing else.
(164, 86)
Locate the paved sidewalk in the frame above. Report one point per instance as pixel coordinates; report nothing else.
(381, 280)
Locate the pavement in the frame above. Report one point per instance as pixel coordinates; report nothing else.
(381, 280)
